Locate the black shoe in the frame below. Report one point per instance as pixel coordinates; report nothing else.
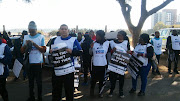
(101, 95)
(132, 91)
(110, 94)
(158, 72)
(121, 94)
(24, 78)
(169, 72)
(31, 99)
(15, 79)
(141, 93)
(153, 72)
(175, 71)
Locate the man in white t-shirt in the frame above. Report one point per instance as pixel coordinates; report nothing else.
(35, 44)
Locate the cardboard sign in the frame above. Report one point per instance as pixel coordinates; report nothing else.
(119, 62)
(61, 60)
(134, 66)
(17, 68)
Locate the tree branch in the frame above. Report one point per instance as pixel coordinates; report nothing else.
(143, 7)
(126, 9)
(154, 10)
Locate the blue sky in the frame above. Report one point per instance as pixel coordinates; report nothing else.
(93, 14)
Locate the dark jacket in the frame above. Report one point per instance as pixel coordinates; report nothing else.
(17, 49)
(85, 47)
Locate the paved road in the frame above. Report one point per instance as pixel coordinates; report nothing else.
(159, 88)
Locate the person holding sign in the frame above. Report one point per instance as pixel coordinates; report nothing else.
(124, 47)
(157, 43)
(35, 44)
(63, 48)
(5, 58)
(98, 49)
(173, 47)
(17, 52)
(144, 52)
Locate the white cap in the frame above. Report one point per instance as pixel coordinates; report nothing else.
(32, 25)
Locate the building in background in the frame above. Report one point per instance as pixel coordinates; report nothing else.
(167, 16)
(178, 19)
(171, 16)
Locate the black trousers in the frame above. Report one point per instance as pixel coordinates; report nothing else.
(87, 68)
(3, 91)
(58, 82)
(35, 73)
(113, 78)
(175, 62)
(158, 58)
(97, 74)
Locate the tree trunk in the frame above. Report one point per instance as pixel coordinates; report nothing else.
(135, 35)
(136, 30)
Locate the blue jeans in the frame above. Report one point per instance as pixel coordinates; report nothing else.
(143, 73)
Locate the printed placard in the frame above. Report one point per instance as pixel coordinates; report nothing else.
(134, 66)
(61, 60)
(119, 62)
(17, 68)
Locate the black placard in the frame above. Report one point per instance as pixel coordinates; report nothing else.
(121, 59)
(61, 57)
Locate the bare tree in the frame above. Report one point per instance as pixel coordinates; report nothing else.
(136, 30)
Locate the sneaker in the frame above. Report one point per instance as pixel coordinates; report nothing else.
(121, 95)
(153, 72)
(132, 91)
(15, 79)
(141, 93)
(101, 95)
(175, 71)
(169, 72)
(24, 78)
(158, 72)
(110, 95)
(10, 70)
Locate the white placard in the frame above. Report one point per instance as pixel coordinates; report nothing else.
(117, 69)
(17, 68)
(63, 70)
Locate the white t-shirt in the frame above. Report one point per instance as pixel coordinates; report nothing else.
(35, 55)
(122, 45)
(99, 53)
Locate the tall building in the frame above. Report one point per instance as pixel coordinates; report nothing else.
(178, 18)
(171, 16)
(167, 16)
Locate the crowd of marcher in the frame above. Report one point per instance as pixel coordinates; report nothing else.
(94, 51)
